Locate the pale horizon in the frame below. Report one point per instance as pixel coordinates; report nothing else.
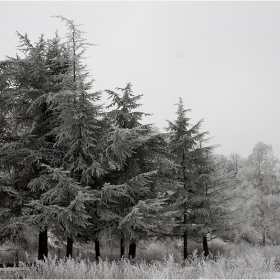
(222, 58)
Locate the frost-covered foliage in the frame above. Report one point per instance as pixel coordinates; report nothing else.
(75, 169)
(258, 196)
(29, 147)
(135, 152)
(187, 146)
(53, 157)
(252, 264)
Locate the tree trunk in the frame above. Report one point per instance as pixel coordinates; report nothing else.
(122, 247)
(97, 249)
(185, 237)
(205, 246)
(132, 250)
(263, 238)
(43, 244)
(69, 247)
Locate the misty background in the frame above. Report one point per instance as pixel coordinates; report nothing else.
(222, 58)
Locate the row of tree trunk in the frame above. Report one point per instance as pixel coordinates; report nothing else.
(43, 247)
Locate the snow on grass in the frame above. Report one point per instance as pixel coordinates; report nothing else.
(243, 262)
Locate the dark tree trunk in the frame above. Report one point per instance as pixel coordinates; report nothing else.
(205, 246)
(132, 250)
(97, 249)
(43, 244)
(69, 247)
(122, 247)
(185, 237)
(263, 238)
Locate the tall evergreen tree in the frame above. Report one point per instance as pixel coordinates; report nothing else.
(41, 167)
(26, 111)
(211, 211)
(80, 128)
(136, 151)
(186, 145)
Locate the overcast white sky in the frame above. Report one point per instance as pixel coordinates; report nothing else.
(222, 58)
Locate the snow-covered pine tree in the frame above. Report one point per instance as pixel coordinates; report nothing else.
(7, 191)
(211, 206)
(186, 144)
(27, 85)
(35, 163)
(135, 151)
(80, 123)
(9, 195)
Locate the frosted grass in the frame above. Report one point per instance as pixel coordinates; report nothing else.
(241, 263)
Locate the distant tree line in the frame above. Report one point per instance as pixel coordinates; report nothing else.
(80, 169)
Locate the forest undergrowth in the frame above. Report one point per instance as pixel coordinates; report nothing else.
(243, 262)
